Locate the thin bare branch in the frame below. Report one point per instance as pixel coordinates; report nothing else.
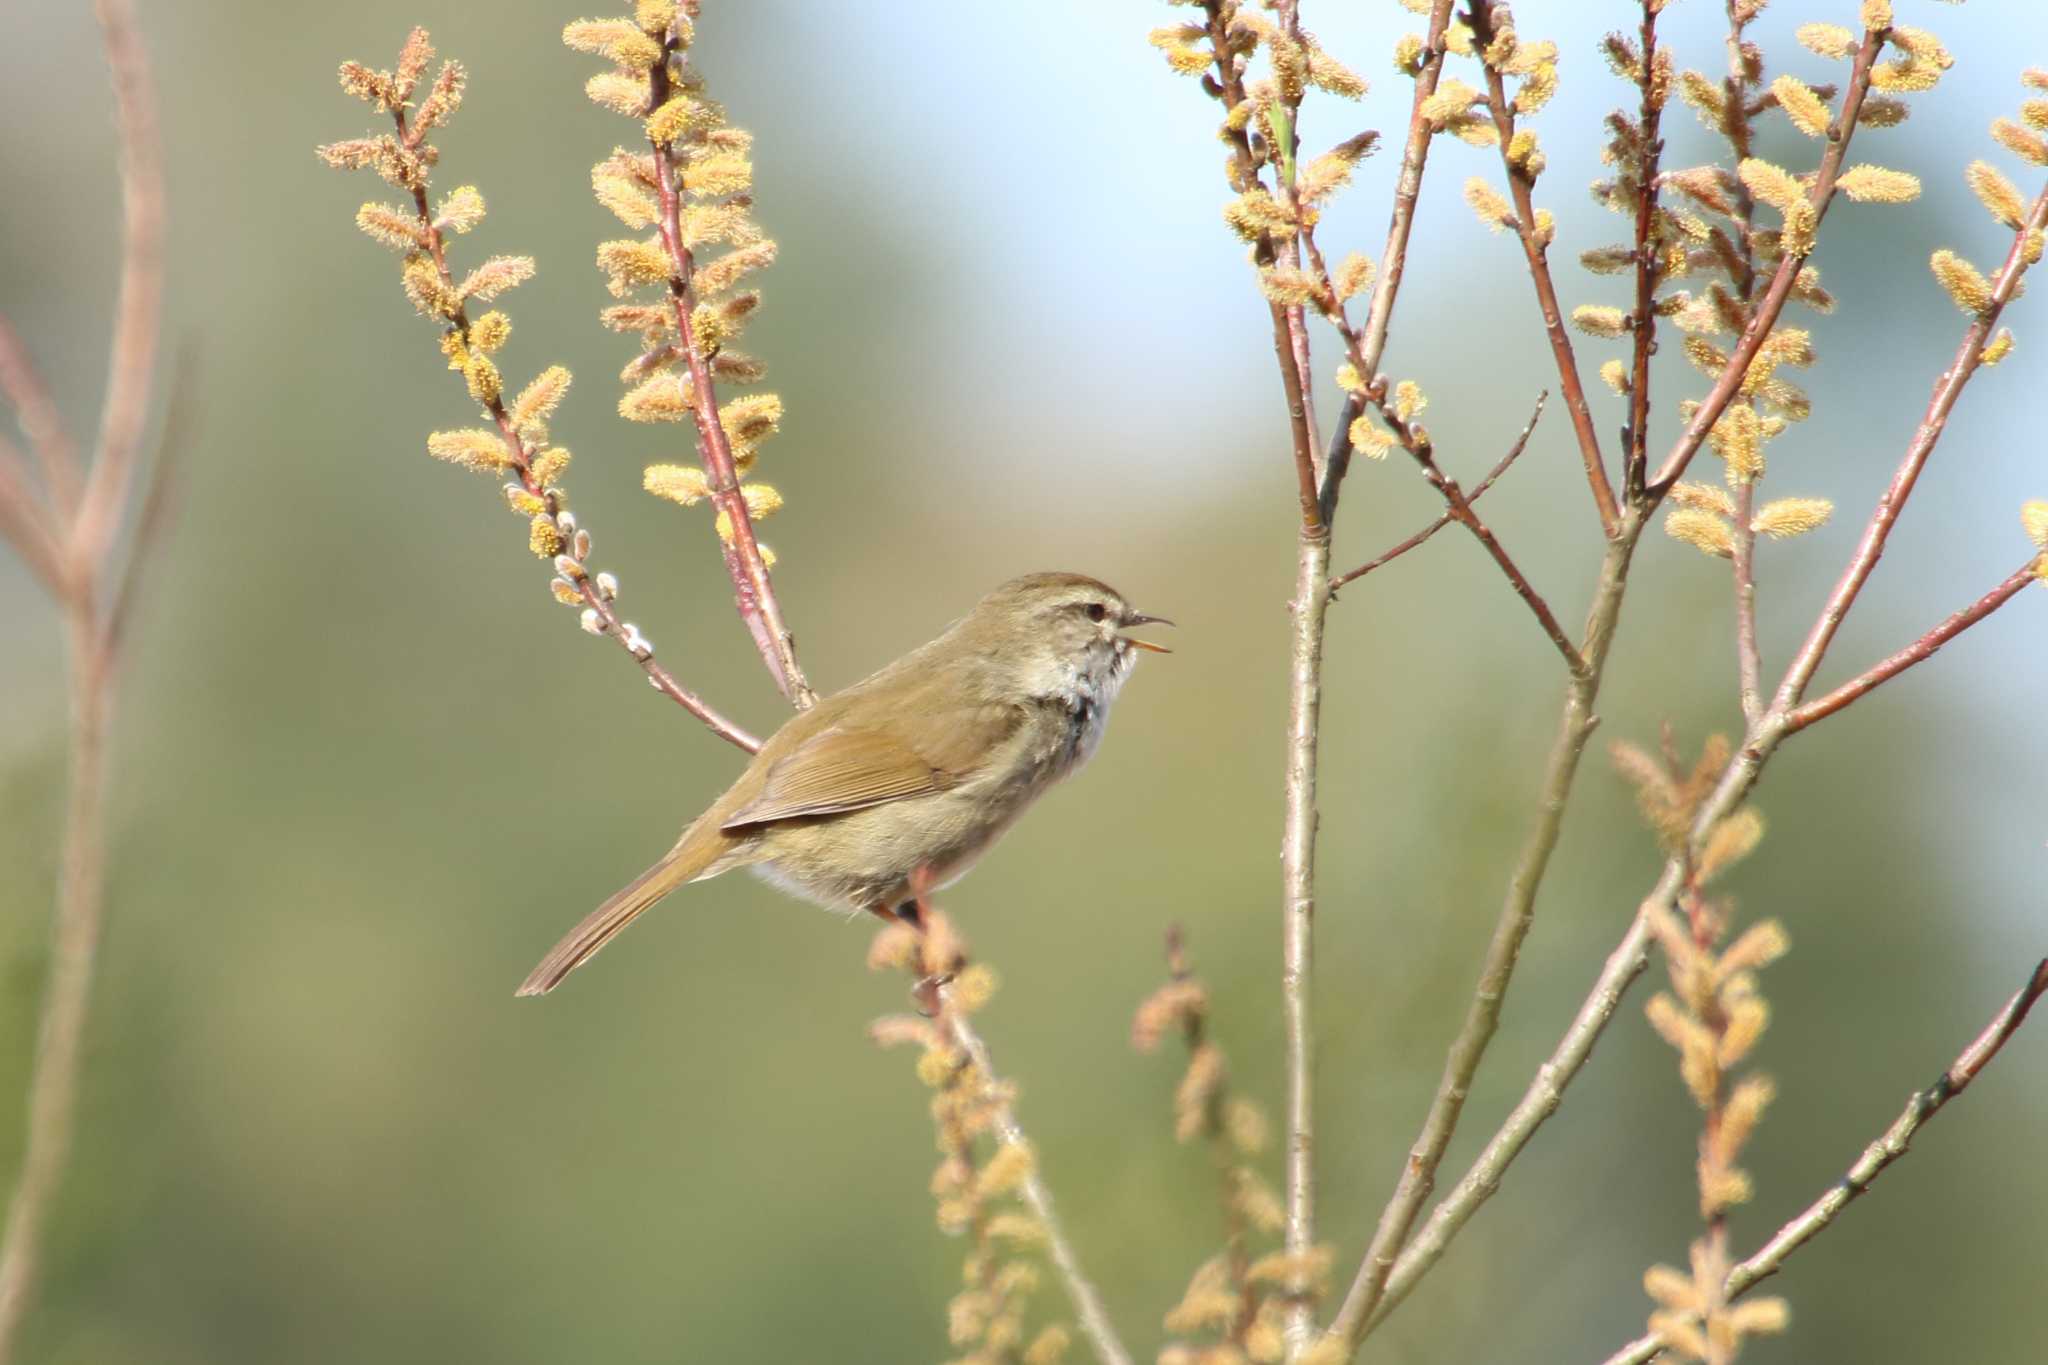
(1367, 1299)
(1749, 659)
(131, 369)
(1298, 894)
(36, 409)
(1919, 651)
(81, 889)
(1479, 491)
(1545, 1093)
(60, 1034)
(1420, 449)
(1873, 1161)
(25, 523)
(1088, 1308)
(160, 489)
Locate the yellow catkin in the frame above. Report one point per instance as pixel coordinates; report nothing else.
(1876, 185)
(1600, 321)
(1409, 400)
(2000, 197)
(2019, 141)
(1700, 529)
(471, 448)
(1808, 111)
(495, 276)
(2034, 519)
(1354, 273)
(1826, 40)
(1963, 281)
(1488, 204)
(679, 483)
(1369, 440)
(460, 210)
(549, 466)
(537, 401)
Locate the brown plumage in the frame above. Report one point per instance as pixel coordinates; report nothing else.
(899, 783)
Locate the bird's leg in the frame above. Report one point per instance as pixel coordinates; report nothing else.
(917, 912)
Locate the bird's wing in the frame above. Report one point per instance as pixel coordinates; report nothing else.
(837, 770)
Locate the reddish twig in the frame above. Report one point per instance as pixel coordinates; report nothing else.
(758, 605)
(1536, 251)
(1479, 491)
(1947, 390)
(1919, 651)
(1873, 1161)
(1420, 449)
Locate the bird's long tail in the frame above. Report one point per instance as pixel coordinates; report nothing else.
(689, 859)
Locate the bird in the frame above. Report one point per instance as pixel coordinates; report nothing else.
(896, 786)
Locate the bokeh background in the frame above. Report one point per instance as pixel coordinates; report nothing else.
(367, 770)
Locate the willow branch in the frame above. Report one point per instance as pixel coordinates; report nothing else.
(1643, 320)
(35, 408)
(137, 311)
(1790, 263)
(153, 518)
(53, 1084)
(1888, 1148)
(89, 526)
(1479, 491)
(1544, 1094)
(1536, 250)
(1416, 442)
(1298, 896)
(1088, 1309)
(755, 594)
(1625, 964)
(1294, 372)
(1742, 551)
(25, 523)
(1947, 390)
(1919, 651)
(1374, 1278)
(595, 598)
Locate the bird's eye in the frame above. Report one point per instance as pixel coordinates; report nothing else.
(1096, 611)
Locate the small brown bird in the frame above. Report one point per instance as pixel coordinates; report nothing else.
(897, 785)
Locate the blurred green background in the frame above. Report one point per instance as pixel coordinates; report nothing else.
(367, 771)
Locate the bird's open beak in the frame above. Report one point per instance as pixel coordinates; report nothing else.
(1138, 618)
